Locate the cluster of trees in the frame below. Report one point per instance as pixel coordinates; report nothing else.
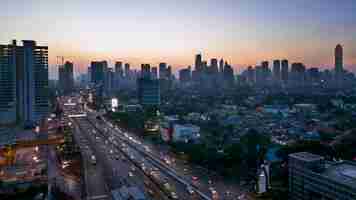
(233, 160)
(134, 120)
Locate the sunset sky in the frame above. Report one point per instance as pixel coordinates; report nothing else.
(245, 32)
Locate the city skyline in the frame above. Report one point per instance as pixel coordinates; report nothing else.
(244, 33)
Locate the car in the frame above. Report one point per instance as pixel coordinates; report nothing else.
(174, 195)
(190, 190)
(93, 160)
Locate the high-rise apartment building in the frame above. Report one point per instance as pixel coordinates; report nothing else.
(127, 70)
(198, 62)
(338, 59)
(23, 82)
(214, 65)
(8, 83)
(221, 65)
(277, 70)
(284, 70)
(145, 71)
(119, 71)
(154, 73)
(66, 77)
(339, 65)
(98, 69)
(185, 75)
(162, 70)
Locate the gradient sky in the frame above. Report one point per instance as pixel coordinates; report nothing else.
(244, 32)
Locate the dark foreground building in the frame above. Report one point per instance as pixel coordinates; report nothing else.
(312, 177)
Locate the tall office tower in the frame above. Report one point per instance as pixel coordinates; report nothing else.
(214, 65)
(185, 75)
(250, 75)
(169, 72)
(127, 70)
(23, 82)
(198, 63)
(298, 73)
(108, 80)
(32, 81)
(148, 92)
(221, 65)
(338, 65)
(228, 75)
(119, 71)
(8, 83)
(66, 77)
(98, 69)
(259, 75)
(162, 70)
(284, 71)
(338, 59)
(204, 65)
(265, 71)
(145, 71)
(277, 70)
(154, 73)
(310, 176)
(89, 74)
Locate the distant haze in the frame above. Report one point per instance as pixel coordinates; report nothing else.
(244, 32)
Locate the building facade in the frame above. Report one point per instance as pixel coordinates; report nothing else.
(66, 77)
(24, 82)
(312, 177)
(148, 92)
(8, 83)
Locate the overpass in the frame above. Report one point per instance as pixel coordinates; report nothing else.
(9, 151)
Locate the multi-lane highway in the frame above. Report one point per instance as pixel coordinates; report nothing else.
(94, 183)
(119, 170)
(122, 159)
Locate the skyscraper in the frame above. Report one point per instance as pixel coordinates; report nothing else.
(298, 74)
(169, 72)
(214, 65)
(338, 66)
(277, 70)
(185, 75)
(66, 77)
(284, 73)
(198, 62)
(162, 70)
(127, 70)
(250, 75)
(148, 92)
(118, 69)
(23, 82)
(8, 83)
(228, 75)
(338, 59)
(265, 71)
(221, 65)
(154, 73)
(98, 69)
(146, 71)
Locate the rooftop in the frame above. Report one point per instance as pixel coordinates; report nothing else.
(305, 156)
(343, 172)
